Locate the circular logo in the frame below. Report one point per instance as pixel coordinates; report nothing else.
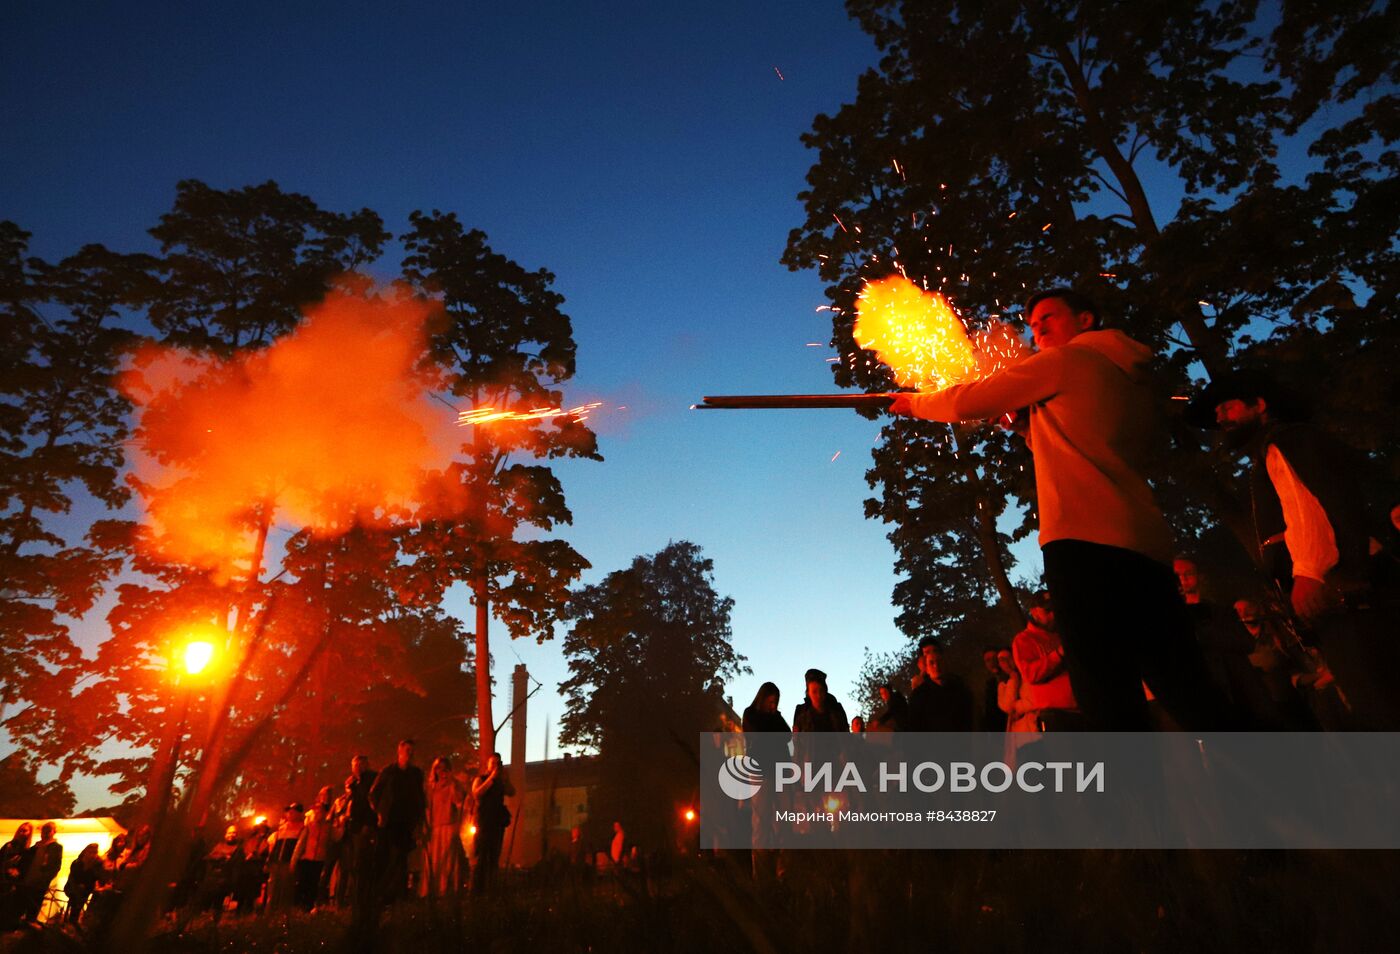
(740, 777)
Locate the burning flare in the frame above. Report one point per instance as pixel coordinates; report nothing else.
(489, 415)
(924, 341)
(328, 425)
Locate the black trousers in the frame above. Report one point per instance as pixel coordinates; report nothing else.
(1123, 622)
(487, 849)
(308, 884)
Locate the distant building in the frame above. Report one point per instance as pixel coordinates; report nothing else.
(555, 800)
(554, 795)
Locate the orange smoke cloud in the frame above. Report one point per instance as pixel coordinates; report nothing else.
(330, 423)
(924, 341)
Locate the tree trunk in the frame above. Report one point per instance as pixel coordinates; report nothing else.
(481, 589)
(985, 524)
(485, 726)
(1209, 347)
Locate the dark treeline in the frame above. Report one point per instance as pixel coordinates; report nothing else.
(1219, 176)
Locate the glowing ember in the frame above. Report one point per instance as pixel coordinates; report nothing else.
(924, 341)
(489, 415)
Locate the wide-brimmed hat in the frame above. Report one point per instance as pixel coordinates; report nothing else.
(1245, 384)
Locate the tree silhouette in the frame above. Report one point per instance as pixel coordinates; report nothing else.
(506, 345)
(61, 432)
(1005, 146)
(649, 650)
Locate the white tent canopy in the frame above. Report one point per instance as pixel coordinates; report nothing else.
(74, 834)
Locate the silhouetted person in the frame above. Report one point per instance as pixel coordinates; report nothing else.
(819, 712)
(83, 875)
(1314, 534)
(893, 715)
(490, 789)
(13, 858)
(766, 742)
(45, 859)
(993, 719)
(357, 845)
(399, 800)
(941, 703)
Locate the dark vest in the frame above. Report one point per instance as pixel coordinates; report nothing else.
(1329, 469)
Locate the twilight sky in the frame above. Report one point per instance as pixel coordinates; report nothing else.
(646, 154)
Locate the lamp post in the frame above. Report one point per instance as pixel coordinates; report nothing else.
(198, 654)
(194, 658)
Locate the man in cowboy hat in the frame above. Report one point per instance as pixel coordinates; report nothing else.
(1312, 528)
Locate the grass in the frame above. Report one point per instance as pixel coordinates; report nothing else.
(985, 901)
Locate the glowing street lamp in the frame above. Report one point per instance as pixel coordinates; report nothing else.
(198, 654)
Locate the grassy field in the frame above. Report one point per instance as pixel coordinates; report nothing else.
(1033, 902)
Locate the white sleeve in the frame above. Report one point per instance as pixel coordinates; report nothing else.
(1308, 533)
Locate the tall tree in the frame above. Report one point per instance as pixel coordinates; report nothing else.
(61, 430)
(239, 266)
(649, 650)
(1008, 144)
(507, 345)
(1341, 66)
(237, 269)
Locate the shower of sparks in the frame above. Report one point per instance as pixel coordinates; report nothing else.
(924, 341)
(489, 415)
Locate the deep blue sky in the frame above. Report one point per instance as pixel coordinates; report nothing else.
(647, 155)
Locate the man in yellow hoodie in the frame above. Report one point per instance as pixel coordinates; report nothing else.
(1094, 422)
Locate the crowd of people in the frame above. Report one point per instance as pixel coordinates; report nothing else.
(1258, 661)
(386, 835)
(28, 868)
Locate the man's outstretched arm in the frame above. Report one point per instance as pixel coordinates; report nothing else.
(1028, 382)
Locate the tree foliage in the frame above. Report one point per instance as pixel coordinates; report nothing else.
(1005, 146)
(649, 650)
(505, 344)
(22, 795)
(61, 432)
(331, 643)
